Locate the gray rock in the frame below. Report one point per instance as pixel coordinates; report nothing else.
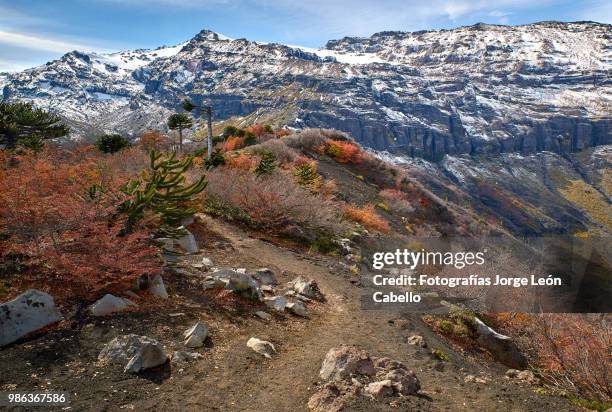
(239, 283)
(181, 357)
(110, 304)
(308, 288)
(187, 242)
(28, 312)
(135, 352)
(262, 347)
(265, 276)
(207, 263)
(157, 287)
(501, 347)
(297, 308)
(195, 336)
(278, 303)
(341, 362)
(263, 315)
(404, 381)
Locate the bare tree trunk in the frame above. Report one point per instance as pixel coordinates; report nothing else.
(180, 141)
(210, 138)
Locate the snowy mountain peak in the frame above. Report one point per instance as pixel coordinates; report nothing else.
(474, 89)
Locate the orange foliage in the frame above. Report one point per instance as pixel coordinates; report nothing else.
(233, 143)
(282, 132)
(243, 161)
(367, 217)
(55, 225)
(153, 140)
(572, 350)
(343, 152)
(257, 129)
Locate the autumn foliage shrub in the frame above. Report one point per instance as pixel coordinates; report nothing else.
(367, 217)
(571, 351)
(52, 219)
(272, 202)
(397, 200)
(343, 151)
(233, 143)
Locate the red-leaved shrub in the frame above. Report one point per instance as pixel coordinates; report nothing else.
(367, 217)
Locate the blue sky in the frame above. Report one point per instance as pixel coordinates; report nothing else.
(34, 32)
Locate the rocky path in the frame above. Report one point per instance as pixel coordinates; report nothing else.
(229, 376)
(244, 381)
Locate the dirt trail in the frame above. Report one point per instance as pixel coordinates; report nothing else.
(250, 382)
(231, 377)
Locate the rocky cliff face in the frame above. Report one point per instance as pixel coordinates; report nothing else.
(471, 90)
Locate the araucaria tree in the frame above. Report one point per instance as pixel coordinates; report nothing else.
(267, 164)
(162, 190)
(180, 122)
(23, 124)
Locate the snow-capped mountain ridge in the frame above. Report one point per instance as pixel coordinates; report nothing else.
(481, 88)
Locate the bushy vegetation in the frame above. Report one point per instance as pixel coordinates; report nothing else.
(111, 143)
(275, 203)
(570, 351)
(61, 230)
(367, 217)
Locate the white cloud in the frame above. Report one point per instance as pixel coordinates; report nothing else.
(34, 42)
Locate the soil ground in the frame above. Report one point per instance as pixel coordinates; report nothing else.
(231, 377)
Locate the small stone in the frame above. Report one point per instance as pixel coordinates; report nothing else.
(157, 287)
(135, 352)
(110, 304)
(380, 389)
(262, 347)
(265, 276)
(187, 242)
(297, 308)
(474, 379)
(195, 336)
(343, 361)
(180, 357)
(417, 340)
(278, 303)
(327, 399)
(308, 288)
(263, 315)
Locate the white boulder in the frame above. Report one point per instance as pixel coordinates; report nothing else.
(26, 313)
(110, 304)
